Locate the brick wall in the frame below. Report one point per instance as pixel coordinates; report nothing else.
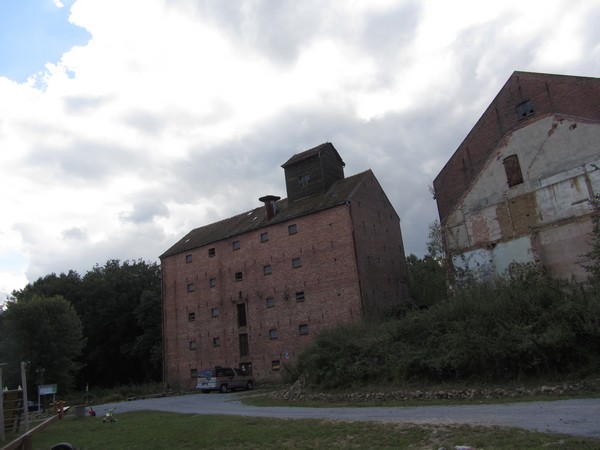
(327, 276)
(379, 249)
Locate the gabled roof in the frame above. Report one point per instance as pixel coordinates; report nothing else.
(338, 194)
(550, 94)
(327, 146)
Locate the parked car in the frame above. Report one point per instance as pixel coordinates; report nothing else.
(223, 379)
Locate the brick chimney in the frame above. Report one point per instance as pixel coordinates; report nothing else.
(270, 202)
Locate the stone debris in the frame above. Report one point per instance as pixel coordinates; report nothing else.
(299, 392)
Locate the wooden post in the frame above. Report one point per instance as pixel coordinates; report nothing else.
(25, 402)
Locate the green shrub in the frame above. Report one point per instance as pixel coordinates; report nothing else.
(526, 325)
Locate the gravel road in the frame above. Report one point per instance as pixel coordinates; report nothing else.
(573, 417)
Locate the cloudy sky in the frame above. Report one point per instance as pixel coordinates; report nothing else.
(126, 123)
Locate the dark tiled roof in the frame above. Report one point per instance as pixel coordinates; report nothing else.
(340, 192)
(327, 146)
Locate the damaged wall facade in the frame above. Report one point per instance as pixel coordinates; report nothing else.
(529, 201)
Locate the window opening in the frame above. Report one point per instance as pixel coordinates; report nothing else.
(296, 262)
(525, 109)
(191, 316)
(241, 314)
(270, 302)
(212, 252)
(303, 329)
(513, 170)
(292, 229)
(264, 237)
(304, 180)
(236, 245)
(300, 296)
(188, 259)
(267, 270)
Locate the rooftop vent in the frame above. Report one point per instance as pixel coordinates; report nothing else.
(270, 202)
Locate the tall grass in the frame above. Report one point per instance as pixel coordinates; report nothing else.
(526, 325)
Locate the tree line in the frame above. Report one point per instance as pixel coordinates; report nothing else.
(100, 329)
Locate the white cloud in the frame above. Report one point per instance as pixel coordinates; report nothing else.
(179, 113)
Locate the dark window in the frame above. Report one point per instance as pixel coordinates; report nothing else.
(275, 364)
(214, 312)
(267, 269)
(191, 316)
(193, 344)
(238, 276)
(273, 334)
(241, 314)
(296, 262)
(270, 302)
(513, 170)
(303, 329)
(304, 180)
(190, 287)
(212, 252)
(244, 350)
(525, 109)
(213, 282)
(216, 341)
(292, 229)
(188, 259)
(264, 237)
(236, 245)
(300, 296)
(194, 373)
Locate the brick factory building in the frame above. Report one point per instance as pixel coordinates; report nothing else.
(519, 186)
(252, 290)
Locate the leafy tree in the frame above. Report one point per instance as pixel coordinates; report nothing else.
(120, 310)
(435, 243)
(427, 276)
(66, 285)
(46, 332)
(427, 280)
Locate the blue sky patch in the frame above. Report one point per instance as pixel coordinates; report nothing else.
(33, 33)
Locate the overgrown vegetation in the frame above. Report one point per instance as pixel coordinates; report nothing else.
(526, 325)
(427, 275)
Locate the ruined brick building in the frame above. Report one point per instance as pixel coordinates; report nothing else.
(519, 186)
(252, 290)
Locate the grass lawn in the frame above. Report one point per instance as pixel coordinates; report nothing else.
(158, 430)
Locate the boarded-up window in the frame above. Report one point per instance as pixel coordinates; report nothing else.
(513, 170)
